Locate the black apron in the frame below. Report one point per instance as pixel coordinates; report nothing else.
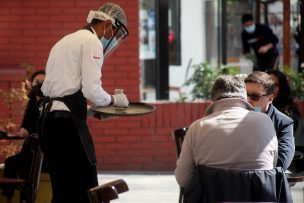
(78, 108)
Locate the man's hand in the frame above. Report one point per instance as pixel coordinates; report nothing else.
(265, 48)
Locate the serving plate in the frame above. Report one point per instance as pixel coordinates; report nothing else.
(134, 109)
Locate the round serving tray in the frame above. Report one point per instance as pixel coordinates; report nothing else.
(134, 109)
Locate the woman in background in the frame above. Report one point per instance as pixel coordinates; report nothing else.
(283, 99)
(19, 165)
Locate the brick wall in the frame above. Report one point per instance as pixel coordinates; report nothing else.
(139, 143)
(28, 30)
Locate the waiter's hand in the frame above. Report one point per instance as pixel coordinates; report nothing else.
(120, 100)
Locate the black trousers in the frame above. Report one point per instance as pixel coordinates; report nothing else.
(263, 64)
(71, 173)
(17, 166)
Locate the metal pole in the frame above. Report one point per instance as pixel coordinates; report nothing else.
(286, 33)
(219, 34)
(301, 37)
(224, 32)
(162, 50)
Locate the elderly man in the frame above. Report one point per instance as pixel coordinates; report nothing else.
(260, 89)
(230, 136)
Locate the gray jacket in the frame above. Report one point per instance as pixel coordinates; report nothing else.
(232, 136)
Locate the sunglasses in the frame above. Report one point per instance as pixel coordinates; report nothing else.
(255, 97)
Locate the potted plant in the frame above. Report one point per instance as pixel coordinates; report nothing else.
(203, 78)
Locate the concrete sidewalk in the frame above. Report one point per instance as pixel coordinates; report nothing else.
(153, 187)
(145, 188)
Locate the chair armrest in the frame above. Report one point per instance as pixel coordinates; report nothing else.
(120, 185)
(102, 193)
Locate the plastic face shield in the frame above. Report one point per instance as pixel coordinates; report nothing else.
(120, 32)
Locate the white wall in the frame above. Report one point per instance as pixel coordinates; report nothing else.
(192, 42)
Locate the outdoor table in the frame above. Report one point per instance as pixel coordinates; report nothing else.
(295, 177)
(7, 136)
(298, 155)
(10, 144)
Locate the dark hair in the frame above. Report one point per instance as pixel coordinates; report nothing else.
(284, 94)
(247, 17)
(284, 101)
(38, 72)
(95, 21)
(263, 79)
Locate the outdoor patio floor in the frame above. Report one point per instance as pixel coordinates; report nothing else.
(153, 187)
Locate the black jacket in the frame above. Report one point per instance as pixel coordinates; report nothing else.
(284, 130)
(260, 37)
(223, 185)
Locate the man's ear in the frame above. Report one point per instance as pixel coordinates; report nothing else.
(271, 98)
(108, 23)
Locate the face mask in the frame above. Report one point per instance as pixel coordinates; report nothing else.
(250, 29)
(105, 42)
(36, 91)
(257, 109)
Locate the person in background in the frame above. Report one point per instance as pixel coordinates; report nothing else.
(230, 136)
(260, 91)
(19, 165)
(262, 40)
(73, 75)
(283, 99)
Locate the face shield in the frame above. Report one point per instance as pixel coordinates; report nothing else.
(120, 31)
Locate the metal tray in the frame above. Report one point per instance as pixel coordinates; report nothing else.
(134, 109)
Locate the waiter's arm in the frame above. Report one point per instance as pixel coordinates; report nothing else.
(91, 64)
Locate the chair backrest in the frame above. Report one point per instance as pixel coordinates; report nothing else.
(34, 176)
(179, 135)
(226, 185)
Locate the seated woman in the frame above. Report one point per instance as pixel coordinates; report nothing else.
(19, 165)
(283, 99)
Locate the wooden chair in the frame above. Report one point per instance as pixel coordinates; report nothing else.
(28, 188)
(108, 191)
(297, 174)
(178, 135)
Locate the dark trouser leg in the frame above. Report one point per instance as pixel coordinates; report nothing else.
(267, 64)
(10, 171)
(70, 171)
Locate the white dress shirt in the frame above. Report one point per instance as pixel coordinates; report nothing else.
(75, 63)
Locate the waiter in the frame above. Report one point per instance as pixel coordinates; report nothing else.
(73, 73)
(262, 40)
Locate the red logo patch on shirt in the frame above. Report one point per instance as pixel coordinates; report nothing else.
(96, 57)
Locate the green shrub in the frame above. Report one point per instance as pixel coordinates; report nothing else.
(296, 82)
(204, 76)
